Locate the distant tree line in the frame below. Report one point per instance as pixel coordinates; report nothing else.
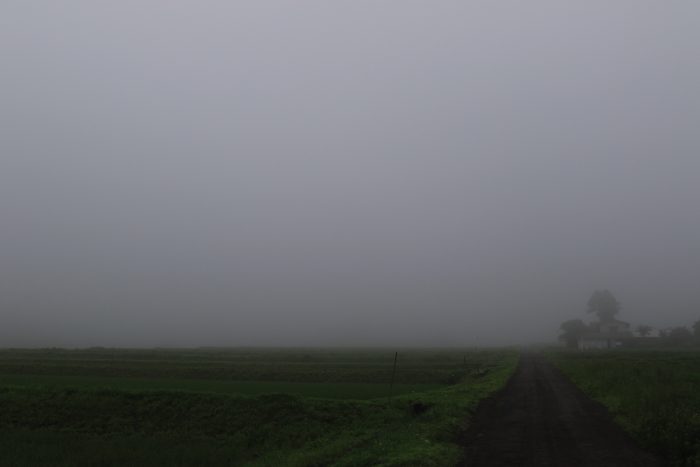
(606, 307)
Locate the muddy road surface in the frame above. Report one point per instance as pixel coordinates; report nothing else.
(541, 419)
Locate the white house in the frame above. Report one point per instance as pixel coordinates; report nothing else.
(605, 335)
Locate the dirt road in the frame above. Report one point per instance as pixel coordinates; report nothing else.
(541, 419)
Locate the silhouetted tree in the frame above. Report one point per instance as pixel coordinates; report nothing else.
(644, 330)
(604, 304)
(696, 328)
(572, 331)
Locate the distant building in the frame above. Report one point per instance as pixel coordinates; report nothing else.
(605, 335)
(653, 334)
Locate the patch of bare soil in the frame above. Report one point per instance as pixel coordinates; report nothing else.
(540, 418)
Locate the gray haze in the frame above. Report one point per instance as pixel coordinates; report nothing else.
(344, 172)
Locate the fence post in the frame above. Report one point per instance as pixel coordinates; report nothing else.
(393, 374)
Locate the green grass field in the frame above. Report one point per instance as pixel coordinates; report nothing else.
(654, 395)
(287, 365)
(273, 407)
(317, 390)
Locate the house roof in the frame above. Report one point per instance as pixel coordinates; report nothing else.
(605, 335)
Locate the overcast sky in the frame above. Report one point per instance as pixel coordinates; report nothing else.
(344, 172)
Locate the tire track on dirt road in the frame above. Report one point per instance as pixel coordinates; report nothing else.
(540, 418)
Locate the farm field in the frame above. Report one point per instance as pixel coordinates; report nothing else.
(653, 395)
(284, 365)
(241, 406)
(312, 389)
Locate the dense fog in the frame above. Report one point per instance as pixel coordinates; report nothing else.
(180, 173)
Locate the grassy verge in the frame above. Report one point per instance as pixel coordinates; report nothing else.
(655, 396)
(42, 425)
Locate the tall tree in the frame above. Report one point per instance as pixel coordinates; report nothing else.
(604, 304)
(572, 332)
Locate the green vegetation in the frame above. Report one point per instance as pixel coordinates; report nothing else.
(654, 395)
(251, 364)
(320, 390)
(212, 407)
